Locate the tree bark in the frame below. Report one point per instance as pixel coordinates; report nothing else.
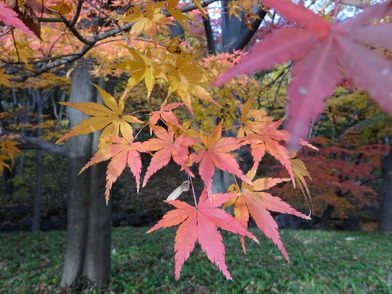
(235, 33)
(39, 166)
(385, 220)
(87, 258)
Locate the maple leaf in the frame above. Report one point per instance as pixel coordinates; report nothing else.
(268, 139)
(263, 136)
(3, 162)
(166, 114)
(200, 224)
(8, 147)
(10, 17)
(109, 117)
(122, 152)
(4, 78)
(61, 7)
(142, 67)
(177, 14)
(215, 153)
(167, 147)
(252, 121)
(251, 200)
(187, 77)
(322, 53)
(146, 21)
(300, 172)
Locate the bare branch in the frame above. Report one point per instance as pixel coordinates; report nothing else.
(26, 142)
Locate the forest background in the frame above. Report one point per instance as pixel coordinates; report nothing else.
(120, 43)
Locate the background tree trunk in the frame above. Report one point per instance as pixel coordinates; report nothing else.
(87, 258)
(37, 97)
(385, 221)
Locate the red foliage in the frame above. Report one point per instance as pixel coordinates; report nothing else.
(323, 54)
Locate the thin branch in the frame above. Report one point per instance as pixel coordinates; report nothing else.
(76, 33)
(77, 13)
(88, 45)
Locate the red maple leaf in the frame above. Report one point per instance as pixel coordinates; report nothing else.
(215, 153)
(200, 224)
(167, 147)
(322, 54)
(121, 152)
(251, 199)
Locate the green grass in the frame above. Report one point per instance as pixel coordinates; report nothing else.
(321, 262)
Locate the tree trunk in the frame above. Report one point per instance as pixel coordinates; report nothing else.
(87, 258)
(38, 191)
(39, 166)
(326, 216)
(385, 220)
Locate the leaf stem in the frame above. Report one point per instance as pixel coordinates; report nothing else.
(232, 127)
(138, 133)
(193, 190)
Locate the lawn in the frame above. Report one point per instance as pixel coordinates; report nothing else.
(321, 262)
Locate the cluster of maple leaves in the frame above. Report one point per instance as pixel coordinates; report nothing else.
(188, 147)
(324, 56)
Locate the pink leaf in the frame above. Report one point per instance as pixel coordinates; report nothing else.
(211, 243)
(368, 69)
(378, 35)
(370, 13)
(315, 78)
(266, 223)
(186, 237)
(298, 14)
(10, 17)
(283, 45)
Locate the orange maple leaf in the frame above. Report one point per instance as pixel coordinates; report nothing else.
(215, 153)
(121, 152)
(166, 114)
(200, 224)
(261, 132)
(109, 117)
(251, 200)
(167, 147)
(252, 120)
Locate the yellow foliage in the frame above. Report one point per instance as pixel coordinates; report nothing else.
(109, 118)
(147, 19)
(4, 78)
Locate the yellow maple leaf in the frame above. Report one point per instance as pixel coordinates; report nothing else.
(61, 7)
(146, 20)
(188, 77)
(3, 164)
(8, 149)
(177, 13)
(4, 78)
(109, 118)
(200, 8)
(235, 9)
(142, 67)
